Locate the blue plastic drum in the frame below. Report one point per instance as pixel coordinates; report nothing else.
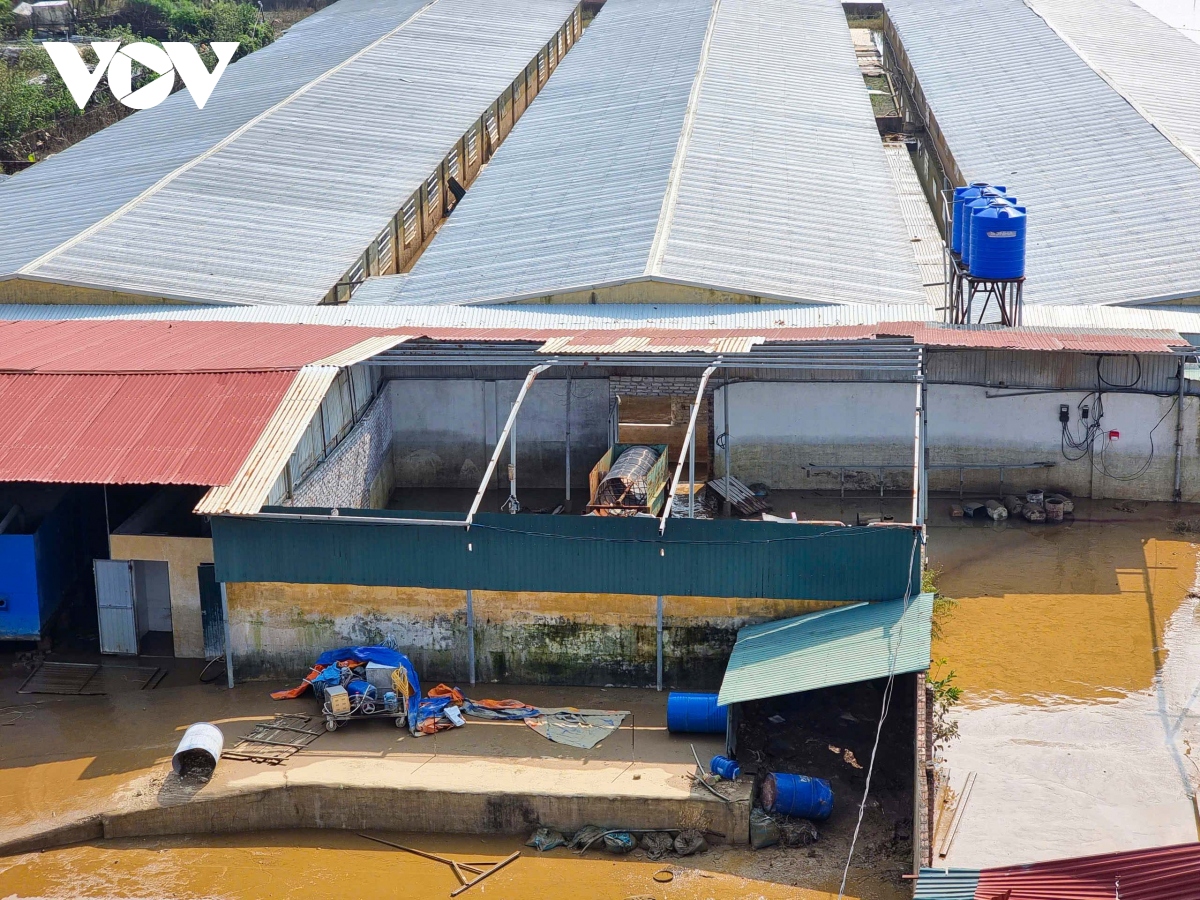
(696, 713)
(798, 795)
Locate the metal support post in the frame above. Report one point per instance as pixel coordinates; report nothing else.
(1177, 494)
(513, 504)
(659, 628)
(228, 637)
(568, 439)
(728, 507)
(689, 441)
(471, 635)
(512, 418)
(692, 477)
(918, 460)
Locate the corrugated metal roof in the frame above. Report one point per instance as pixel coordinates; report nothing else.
(78, 187)
(286, 192)
(1109, 197)
(837, 646)
(99, 345)
(725, 145)
(247, 491)
(180, 428)
(925, 239)
(946, 884)
(1147, 61)
(1158, 873)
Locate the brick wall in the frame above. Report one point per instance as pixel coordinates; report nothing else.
(347, 477)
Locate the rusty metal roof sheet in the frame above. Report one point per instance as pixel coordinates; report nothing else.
(247, 491)
(1158, 873)
(98, 345)
(176, 428)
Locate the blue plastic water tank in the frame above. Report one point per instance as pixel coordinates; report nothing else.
(985, 198)
(961, 194)
(725, 767)
(998, 241)
(798, 795)
(695, 713)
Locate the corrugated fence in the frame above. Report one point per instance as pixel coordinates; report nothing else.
(572, 554)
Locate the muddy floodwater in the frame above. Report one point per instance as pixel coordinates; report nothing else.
(300, 865)
(1078, 652)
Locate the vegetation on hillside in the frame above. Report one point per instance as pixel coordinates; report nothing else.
(37, 114)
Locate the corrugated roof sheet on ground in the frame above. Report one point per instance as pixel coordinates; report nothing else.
(181, 428)
(1110, 199)
(842, 645)
(946, 884)
(1157, 873)
(728, 146)
(280, 212)
(99, 345)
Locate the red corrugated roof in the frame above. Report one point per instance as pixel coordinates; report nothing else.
(116, 345)
(1160, 873)
(181, 428)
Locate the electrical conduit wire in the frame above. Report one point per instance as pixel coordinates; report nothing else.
(887, 702)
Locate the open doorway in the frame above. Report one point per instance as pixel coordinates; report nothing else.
(133, 601)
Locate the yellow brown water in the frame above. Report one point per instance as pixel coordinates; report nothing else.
(1048, 612)
(299, 865)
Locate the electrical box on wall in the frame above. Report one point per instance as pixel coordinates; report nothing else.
(1064, 413)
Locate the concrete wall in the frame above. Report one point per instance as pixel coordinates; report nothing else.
(599, 639)
(446, 430)
(358, 472)
(182, 556)
(779, 428)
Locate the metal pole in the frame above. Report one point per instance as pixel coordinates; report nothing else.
(471, 634)
(688, 440)
(568, 441)
(692, 477)
(659, 627)
(228, 637)
(512, 417)
(925, 452)
(1177, 494)
(917, 459)
(725, 411)
(513, 505)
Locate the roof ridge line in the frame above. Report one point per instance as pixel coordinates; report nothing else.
(666, 214)
(31, 267)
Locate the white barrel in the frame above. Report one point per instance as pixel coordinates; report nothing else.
(199, 750)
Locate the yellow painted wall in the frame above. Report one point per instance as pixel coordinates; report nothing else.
(182, 555)
(19, 290)
(649, 292)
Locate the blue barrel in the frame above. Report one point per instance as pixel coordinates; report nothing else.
(961, 194)
(798, 795)
(725, 767)
(696, 713)
(998, 241)
(987, 195)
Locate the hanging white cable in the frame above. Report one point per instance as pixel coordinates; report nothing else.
(887, 700)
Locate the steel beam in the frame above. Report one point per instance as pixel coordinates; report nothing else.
(689, 443)
(512, 417)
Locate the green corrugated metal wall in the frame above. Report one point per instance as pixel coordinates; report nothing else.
(572, 554)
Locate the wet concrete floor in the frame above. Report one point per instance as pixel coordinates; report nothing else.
(1078, 651)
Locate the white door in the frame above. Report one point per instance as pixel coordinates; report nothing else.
(115, 606)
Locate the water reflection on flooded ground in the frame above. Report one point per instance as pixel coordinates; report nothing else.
(1078, 651)
(301, 865)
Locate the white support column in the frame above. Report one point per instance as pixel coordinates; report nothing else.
(689, 441)
(918, 457)
(512, 417)
(567, 446)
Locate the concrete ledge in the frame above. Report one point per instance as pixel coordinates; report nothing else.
(457, 795)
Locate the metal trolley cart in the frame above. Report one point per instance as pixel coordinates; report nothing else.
(365, 698)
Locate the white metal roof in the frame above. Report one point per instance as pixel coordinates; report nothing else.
(301, 157)
(726, 145)
(1152, 65)
(1111, 201)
